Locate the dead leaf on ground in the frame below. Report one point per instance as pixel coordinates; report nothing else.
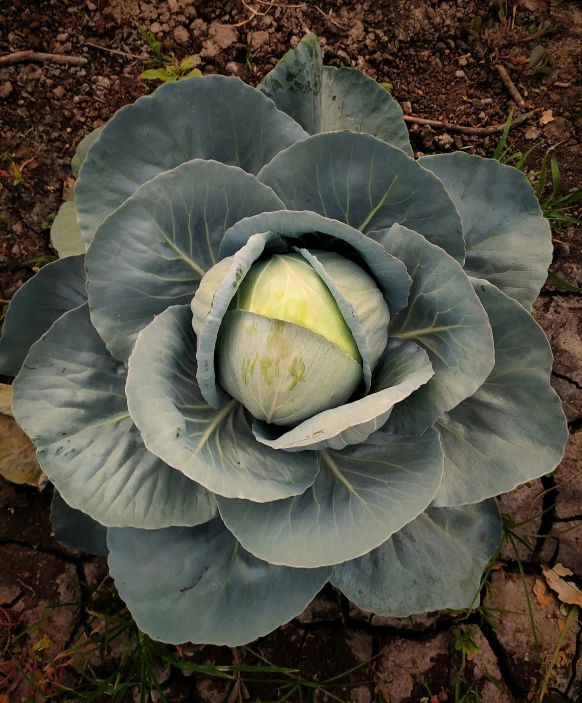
(18, 462)
(5, 399)
(547, 117)
(567, 591)
(542, 594)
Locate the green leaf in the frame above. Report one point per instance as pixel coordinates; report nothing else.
(194, 73)
(154, 249)
(361, 303)
(512, 429)
(82, 150)
(369, 185)
(76, 529)
(216, 118)
(281, 371)
(360, 497)
(300, 227)
(433, 563)
(508, 239)
(199, 585)
(402, 369)
(65, 234)
(208, 332)
(213, 447)
(157, 74)
(70, 400)
(445, 317)
(557, 281)
(326, 99)
(55, 289)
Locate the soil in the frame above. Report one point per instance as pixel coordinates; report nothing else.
(439, 64)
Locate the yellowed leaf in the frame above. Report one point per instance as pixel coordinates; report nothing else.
(5, 399)
(18, 462)
(542, 594)
(567, 591)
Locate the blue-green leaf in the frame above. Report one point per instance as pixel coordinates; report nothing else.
(153, 251)
(70, 399)
(369, 185)
(360, 497)
(507, 237)
(55, 289)
(389, 273)
(199, 585)
(351, 100)
(403, 368)
(360, 302)
(326, 99)
(82, 150)
(282, 373)
(445, 317)
(294, 85)
(225, 291)
(215, 118)
(65, 234)
(76, 529)
(213, 447)
(512, 429)
(433, 563)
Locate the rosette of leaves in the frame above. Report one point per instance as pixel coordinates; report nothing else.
(291, 354)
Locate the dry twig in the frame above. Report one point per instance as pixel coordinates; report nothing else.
(510, 85)
(476, 131)
(29, 55)
(116, 51)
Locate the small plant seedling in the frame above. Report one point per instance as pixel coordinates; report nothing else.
(15, 172)
(173, 71)
(169, 68)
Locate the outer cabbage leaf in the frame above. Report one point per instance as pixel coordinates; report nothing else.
(369, 185)
(445, 317)
(82, 150)
(55, 289)
(508, 239)
(76, 529)
(326, 99)
(199, 585)
(389, 273)
(512, 429)
(434, 562)
(213, 447)
(403, 368)
(153, 250)
(65, 234)
(215, 118)
(70, 399)
(360, 302)
(361, 496)
(291, 373)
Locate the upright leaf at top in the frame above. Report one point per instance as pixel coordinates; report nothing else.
(326, 99)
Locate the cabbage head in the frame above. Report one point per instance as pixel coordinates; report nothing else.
(291, 354)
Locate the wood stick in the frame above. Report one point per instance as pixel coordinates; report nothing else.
(477, 131)
(116, 51)
(510, 85)
(29, 55)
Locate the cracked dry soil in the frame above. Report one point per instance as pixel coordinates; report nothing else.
(437, 70)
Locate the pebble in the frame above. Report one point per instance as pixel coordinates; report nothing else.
(155, 27)
(5, 89)
(181, 35)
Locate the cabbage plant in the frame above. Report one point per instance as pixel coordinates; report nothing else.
(292, 354)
